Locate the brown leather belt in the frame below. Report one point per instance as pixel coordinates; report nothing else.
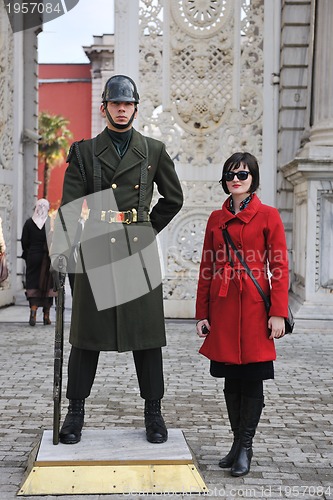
(110, 216)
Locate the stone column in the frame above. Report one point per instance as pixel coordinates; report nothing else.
(101, 56)
(322, 128)
(311, 173)
(127, 38)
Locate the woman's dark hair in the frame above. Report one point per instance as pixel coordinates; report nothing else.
(234, 162)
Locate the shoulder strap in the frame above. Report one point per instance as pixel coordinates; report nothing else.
(143, 183)
(228, 241)
(81, 166)
(97, 169)
(97, 176)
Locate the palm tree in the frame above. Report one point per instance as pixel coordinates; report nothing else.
(53, 144)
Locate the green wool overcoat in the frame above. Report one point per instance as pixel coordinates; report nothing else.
(117, 301)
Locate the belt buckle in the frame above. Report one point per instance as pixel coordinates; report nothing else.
(115, 216)
(111, 218)
(134, 215)
(127, 217)
(120, 216)
(130, 216)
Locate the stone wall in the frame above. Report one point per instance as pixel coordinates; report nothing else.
(6, 149)
(18, 143)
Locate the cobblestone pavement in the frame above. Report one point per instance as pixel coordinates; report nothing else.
(293, 448)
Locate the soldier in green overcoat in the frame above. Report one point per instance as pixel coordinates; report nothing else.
(117, 298)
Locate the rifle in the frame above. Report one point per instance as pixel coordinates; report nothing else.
(59, 279)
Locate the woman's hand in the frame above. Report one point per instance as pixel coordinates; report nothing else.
(200, 324)
(276, 326)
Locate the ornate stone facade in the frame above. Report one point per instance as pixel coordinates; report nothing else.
(201, 77)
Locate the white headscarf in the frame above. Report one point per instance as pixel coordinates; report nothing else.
(41, 212)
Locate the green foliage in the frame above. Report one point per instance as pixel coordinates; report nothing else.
(54, 143)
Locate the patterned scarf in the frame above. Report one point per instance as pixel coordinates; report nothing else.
(242, 205)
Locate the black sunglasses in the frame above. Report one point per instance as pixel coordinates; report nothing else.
(242, 175)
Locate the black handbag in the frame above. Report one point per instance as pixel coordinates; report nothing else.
(289, 322)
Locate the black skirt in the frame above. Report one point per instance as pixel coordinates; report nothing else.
(252, 371)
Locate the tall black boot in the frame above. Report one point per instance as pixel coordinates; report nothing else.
(46, 316)
(70, 432)
(233, 402)
(33, 314)
(251, 409)
(156, 430)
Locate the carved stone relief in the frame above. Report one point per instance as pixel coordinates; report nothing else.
(299, 264)
(6, 91)
(207, 111)
(186, 235)
(6, 208)
(6, 131)
(324, 238)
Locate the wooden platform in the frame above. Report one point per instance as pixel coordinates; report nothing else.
(112, 461)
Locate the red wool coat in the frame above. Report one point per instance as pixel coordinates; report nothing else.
(228, 298)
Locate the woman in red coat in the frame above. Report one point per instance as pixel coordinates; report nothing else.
(231, 314)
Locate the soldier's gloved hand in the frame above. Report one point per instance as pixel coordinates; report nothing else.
(58, 270)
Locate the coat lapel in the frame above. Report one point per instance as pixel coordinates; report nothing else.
(134, 155)
(106, 151)
(245, 215)
(108, 155)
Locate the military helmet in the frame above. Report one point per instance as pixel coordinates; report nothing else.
(120, 88)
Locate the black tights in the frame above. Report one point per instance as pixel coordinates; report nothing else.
(245, 387)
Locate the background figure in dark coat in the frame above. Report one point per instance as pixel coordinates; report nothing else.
(232, 318)
(117, 300)
(39, 285)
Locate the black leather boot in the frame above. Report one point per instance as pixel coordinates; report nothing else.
(46, 316)
(33, 314)
(70, 432)
(251, 409)
(156, 430)
(233, 402)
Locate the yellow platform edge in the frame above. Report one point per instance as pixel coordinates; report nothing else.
(110, 478)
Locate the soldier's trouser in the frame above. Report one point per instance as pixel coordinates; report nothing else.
(149, 370)
(82, 366)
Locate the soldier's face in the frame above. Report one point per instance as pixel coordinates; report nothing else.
(121, 113)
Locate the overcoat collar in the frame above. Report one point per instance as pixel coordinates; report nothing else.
(244, 215)
(108, 154)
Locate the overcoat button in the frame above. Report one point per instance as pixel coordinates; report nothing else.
(114, 186)
(136, 186)
(149, 167)
(113, 240)
(135, 239)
